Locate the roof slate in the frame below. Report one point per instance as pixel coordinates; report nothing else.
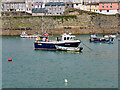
(109, 1)
(39, 10)
(55, 4)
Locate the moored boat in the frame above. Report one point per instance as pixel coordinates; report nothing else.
(67, 40)
(113, 36)
(103, 39)
(24, 35)
(107, 36)
(75, 49)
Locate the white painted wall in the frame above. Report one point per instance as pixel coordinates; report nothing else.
(81, 1)
(77, 6)
(80, 6)
(37, 14)
(110, 12)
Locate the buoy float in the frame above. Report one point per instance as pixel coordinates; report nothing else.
(66, 80)
(10, 59)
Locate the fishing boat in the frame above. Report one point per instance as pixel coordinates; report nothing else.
(75, 49)
(24, 35)
(107, 36)
(113, 36)
(103, 39)
(67, 40)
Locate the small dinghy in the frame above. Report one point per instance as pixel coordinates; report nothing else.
(113, 36)
(107, 36)
(24, 35)
(75, 49)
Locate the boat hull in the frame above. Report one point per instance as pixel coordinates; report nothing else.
(75, 49)
(107, 36)
(51, 46)
(28, 36)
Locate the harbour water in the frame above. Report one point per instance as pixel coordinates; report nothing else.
(96, 68)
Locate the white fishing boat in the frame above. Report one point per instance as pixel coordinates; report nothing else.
(24, 35)
(62, 48)
(112, 36)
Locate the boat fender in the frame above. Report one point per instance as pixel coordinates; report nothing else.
(66, 80)
(38, 38)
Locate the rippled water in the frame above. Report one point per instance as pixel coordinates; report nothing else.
(48, 69)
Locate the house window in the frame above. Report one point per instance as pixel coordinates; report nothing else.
(102, 3)
(102, 6)
(95, 5)
(110, 6)
(107, 10)
(106, 6)
(100, 10)
(111, 3)
(106, 3)
(76, 4)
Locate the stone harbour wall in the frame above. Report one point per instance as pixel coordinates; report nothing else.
(80, 24)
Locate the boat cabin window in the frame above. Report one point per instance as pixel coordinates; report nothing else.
(67, 38)
(64, 38)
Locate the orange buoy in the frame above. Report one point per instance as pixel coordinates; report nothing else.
(10, 59)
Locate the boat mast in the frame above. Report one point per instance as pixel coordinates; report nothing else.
(42, 24)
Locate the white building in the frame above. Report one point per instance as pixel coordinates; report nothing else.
(82, 1)
(13, 5)
(81, 4)
(30, 4)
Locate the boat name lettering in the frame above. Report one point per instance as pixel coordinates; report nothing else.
(67, 44)
(39, 44)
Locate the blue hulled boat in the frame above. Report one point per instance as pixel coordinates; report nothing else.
(93, 38)
(68, 40)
